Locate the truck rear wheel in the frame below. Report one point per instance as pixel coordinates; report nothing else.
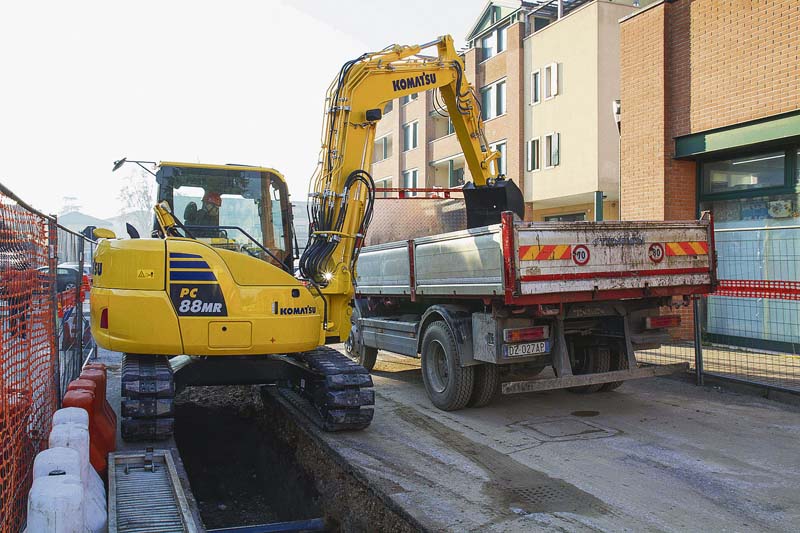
(487, 385)
(619, 361)
(354, 345)
(593, 360)
(448, 384)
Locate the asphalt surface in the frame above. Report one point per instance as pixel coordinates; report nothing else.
(655, 455)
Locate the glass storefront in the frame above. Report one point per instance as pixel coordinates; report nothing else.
(756, 210)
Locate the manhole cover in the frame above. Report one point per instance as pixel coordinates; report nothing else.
(559, 429)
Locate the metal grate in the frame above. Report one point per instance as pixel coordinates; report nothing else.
(143, 500)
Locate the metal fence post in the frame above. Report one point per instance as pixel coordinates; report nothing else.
(52, 242)
(698, 345)
(79, 303)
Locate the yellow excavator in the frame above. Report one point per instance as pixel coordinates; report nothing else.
(212, 297)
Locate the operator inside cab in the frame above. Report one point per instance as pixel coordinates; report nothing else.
(207, 215)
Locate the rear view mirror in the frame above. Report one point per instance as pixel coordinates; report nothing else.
(103, 233)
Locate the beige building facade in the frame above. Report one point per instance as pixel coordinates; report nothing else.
(571, 137)
(570, 45)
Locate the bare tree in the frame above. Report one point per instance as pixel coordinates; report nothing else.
(137, 199)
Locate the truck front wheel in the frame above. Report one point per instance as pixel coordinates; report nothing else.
(365, 356)
(448, 384)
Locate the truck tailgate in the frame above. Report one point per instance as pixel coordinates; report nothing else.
(604, 258)
(528, 262)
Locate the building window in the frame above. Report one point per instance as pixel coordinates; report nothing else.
(383, 149)
(456, 175)
(501, 162)
(493, 100)
(571, 217)
(536, 89)
(383, 183)
(550, 80)
(501, 39)
(388, 107)
(494, 43)
(408, 98)
(410, 136)
(487, 47)
(757, 171)
(410, 181)
(532, 157)
(552, 150)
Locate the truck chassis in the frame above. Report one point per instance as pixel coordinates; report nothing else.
(489, 309)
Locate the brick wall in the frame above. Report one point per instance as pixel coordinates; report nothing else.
(694, 65)
(642, 94)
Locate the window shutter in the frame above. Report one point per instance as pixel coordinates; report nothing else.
(556, 157)
(554, 79)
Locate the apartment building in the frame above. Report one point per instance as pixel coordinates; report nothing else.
(571, 151)
(572, 43)
(415, 143)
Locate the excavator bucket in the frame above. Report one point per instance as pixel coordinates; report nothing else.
(484, 203)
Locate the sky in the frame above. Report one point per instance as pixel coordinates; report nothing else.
(86, 82)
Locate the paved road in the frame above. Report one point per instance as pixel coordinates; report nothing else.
(656, 455)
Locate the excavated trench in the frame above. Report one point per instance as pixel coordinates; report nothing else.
(251, 462)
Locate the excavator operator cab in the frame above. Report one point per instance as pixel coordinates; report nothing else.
(240, 208)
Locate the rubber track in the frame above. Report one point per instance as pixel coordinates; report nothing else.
(148, 394)
(339, 389)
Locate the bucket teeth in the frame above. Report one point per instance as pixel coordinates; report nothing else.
(148, 394)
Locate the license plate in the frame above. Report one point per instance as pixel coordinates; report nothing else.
(528, 348)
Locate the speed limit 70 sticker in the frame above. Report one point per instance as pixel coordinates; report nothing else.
(580, 255)
(656, 252)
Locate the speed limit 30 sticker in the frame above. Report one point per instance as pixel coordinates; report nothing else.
(656, 252)
(580, 255)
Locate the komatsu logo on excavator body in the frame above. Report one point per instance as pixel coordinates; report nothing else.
(417, 81)
(307, 310)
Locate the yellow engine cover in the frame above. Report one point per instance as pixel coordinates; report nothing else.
(182, 296)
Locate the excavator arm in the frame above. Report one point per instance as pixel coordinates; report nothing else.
(342, 191)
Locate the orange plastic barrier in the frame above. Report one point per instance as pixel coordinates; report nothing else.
(104, 430)
(84, 398)
(97, 372)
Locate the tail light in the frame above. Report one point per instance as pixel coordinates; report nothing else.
(665, 321)
(526, 334)
(104, 318)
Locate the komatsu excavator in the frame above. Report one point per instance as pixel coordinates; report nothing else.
(194, 305)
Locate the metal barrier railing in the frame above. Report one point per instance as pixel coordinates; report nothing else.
(43, 339)
(749, 329)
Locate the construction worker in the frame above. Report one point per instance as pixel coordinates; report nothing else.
(208, 215)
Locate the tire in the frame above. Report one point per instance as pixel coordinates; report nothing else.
(365, 356)
(487, 385)
(595, 359)
(448, 384)
(619, 361)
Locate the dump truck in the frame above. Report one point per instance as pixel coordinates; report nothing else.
(488, 309)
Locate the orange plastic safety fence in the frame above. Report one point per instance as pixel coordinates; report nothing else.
(28, 354)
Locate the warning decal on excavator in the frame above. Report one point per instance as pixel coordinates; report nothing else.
(545, 252)
(198, 300)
